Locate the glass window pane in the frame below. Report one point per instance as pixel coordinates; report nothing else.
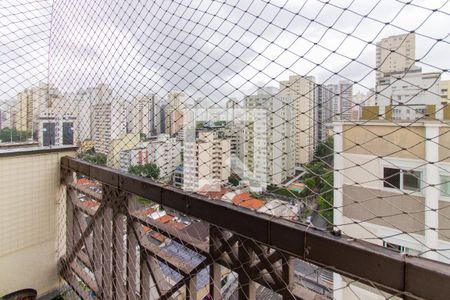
(392, 178)
(411, 180)
(445, 186)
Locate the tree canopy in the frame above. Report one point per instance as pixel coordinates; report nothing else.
(14, 135)
(149, 170)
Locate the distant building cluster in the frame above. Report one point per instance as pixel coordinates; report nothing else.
(149, 129)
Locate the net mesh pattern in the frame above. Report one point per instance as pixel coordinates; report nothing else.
(331, 114)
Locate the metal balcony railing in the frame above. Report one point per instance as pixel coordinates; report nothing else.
(114, 250)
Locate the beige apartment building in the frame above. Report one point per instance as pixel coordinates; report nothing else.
(301, 89)
(402, 57)
(392, 188)
(31, 103)
(206, 162)
(174, 113)
(444, 87)
(145, 115)
(109, 123)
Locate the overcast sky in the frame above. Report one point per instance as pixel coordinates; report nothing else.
(213, 49)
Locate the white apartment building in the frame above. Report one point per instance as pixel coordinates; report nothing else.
(346, 103)
(409, 93)
(301, 89)
(342, 102)
(206, 162)
(392, 188)
(145, 115)
(163, 151)
(323, 110)
(234, 131)
(270, 146)
(401, 58)
(109, 123)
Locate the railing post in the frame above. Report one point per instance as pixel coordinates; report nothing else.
(214, 268)
(247, 290)
(119, 250)
(132, 245)
(97, 252)
(287, 275)
(145, 277)
(107, 253)
(70, 194)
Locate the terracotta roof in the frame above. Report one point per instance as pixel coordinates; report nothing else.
(165, 219)
(90, 203)
(158, 236)
(147, 211)
(246, 200)
(205, 190)
(88, 182)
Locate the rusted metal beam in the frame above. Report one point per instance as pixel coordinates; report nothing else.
(361, 260)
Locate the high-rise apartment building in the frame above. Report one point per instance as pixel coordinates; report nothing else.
(270, 146)
(85, 101)
(206, 162)
(345, 99)
(145, 115)
(323, 110)
(109, 122)
(31, 103)
(174, 112)
(301, 89)
(395, 54)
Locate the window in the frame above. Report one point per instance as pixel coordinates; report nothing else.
(401, 249)
(402, 179)
(445, 186)
(411, 180)
(391, 178)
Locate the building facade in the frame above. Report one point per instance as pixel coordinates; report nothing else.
(206, 162)
(408, 94)
(400, 173)
(109, 123)
(270, 150)
(145, 116)
(395, 54)
(301, 89)
(163, 151)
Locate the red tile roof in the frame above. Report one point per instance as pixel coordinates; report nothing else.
(246, 200)
(165, 219)
(88, 182)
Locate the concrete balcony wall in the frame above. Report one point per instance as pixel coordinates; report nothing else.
(29, 197)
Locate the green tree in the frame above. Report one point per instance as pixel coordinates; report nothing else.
(233, 179)
(14, 135)
(92, 157)
(324, 152)
(149, 170)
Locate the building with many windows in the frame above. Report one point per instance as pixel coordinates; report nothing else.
(301, 89)
(144, 116)
(270, 146)
(206, 163)
(408, 94)
(162, 150)
(396, 53)
(109, 122)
